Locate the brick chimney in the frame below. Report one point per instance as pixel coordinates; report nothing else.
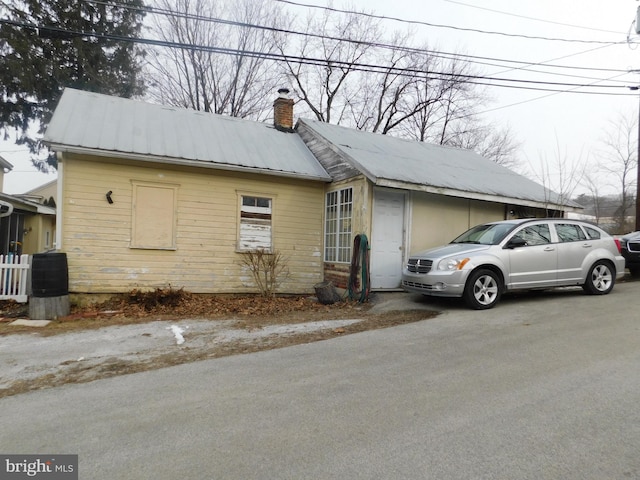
(283, 111)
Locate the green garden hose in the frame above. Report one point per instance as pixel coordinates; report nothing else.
(359, 264)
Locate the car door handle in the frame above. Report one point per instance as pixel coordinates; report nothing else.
(549, 249)
(586, 245)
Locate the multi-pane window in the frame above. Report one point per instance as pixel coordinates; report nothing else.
(338, 226)
(255, 223)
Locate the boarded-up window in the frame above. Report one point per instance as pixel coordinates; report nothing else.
(154, 210)
(255, 223)
(337, 230)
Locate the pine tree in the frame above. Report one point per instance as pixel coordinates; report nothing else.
(47, 45)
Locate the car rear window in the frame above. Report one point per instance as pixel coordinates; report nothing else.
(592, 233)
(569, 232)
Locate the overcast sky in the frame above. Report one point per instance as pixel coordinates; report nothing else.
(548, 125)
(543, 122)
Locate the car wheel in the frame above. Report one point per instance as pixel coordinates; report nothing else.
(600, 279)
(483, 289)
(634, 271)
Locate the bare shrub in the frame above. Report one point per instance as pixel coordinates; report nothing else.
(269, 269)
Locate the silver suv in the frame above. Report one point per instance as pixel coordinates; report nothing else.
(490, 259)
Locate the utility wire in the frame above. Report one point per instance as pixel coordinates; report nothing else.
(434, 53)
(502, 107)
(532, 18)
(363, 67)
(427, 24)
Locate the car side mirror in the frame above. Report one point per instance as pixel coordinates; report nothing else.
(516, 242)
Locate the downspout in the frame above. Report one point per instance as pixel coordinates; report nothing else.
(59, 203)
(9, 209)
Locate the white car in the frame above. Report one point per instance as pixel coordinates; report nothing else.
(493, 258)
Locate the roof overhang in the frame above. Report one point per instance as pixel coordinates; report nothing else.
(382, 182)
(27, 206)
(5, 166)
(181, 162)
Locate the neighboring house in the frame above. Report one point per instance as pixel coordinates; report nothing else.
(30, 227)
(152, 196)
(40, 229)
(45, 194)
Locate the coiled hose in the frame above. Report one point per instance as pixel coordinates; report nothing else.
(359, 264)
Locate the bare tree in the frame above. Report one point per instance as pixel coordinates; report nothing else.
(344, 72)
(334, 49)
(490, 141)
(413, 93)
(592, 183)
(235, 80)
(619, 161)
(560, 177)
(340, 67)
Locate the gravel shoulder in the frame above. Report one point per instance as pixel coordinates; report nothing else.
(108, 340)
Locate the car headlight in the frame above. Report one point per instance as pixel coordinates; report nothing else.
(452, 264)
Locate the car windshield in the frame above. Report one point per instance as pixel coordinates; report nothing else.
(489, 234)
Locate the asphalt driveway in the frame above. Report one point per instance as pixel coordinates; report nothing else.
(544, 386)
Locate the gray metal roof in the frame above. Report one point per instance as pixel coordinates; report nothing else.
(87, 122)
(393, 161)
(27, 205)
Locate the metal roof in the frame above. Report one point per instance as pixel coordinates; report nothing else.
(86, 122)
(27, 205)
(392, 161)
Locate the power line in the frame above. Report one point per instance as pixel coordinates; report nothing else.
(436, 25)
(363, 67)
(532, 18)
(436, 54)
(514, 104)
(445, 55)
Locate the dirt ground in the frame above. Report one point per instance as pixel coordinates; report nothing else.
(220, 326)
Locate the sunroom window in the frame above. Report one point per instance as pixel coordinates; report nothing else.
(338, 226)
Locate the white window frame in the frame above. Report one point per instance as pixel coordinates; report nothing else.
(255, 222)
(338, 225)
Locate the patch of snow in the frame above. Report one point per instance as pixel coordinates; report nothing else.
(177, 332)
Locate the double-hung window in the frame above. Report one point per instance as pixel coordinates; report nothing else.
(255, 223)
(338, 226)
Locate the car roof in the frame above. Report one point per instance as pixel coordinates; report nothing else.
(520, 221)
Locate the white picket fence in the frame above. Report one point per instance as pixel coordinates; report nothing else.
(14, 270)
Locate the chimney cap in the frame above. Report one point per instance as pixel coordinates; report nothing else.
(284, 92)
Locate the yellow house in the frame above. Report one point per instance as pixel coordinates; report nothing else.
(155, 196)
(408, 196)
(27, 222)
(40, 229)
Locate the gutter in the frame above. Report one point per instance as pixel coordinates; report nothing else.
(450, 192)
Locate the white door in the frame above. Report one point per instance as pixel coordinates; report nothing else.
(387, 239)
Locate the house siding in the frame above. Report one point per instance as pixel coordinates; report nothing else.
(96, 235)
(436, 219)
(39, 228)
